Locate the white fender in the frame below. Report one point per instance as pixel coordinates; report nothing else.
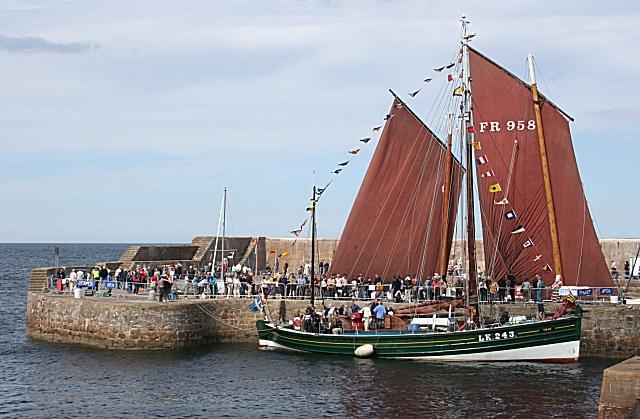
(364, 351)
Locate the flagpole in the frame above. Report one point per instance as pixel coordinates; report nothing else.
(224, 224)
(313, 243)
(555, 244)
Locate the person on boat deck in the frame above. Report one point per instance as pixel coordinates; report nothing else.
(380, 311)
(512, 288)
(502, 289)
(458, 287)
(443, 287)
(307, 319)
(379, 287)
(504, 317)
(435, 283)
(539, 288)
(366, 317)
(493, 290)
(397, 287)
(354, 307)
(482, 285)
(526, 290)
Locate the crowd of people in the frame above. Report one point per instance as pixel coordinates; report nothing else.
(330, 319)
(284, 282)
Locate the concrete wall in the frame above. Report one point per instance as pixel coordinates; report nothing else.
(611, 331)
(300, 252)
(619, 250)
(165, 253)
(620, 392)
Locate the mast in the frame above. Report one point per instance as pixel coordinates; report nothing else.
(555, 244)
(466, 121)
(313, 243)
(224, 222)
(446, 198)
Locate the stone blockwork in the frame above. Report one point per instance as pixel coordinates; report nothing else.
(121, 324)
(611, 331)
(620, 392)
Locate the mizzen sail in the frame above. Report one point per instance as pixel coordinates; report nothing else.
(514, 213)
(394, 227)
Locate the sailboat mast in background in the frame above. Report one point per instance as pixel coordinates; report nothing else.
(555, 244)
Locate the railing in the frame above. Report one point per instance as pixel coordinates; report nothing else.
(196, 288)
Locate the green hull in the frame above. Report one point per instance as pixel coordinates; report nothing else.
(549, 340)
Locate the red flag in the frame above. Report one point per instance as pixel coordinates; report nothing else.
(354, 151)
(470, 129)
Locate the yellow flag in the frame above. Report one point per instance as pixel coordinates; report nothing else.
(284, 254)
(495, 188)
(477, 145)
(458, 91)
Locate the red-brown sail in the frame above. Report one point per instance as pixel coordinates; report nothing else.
(394, 225)
(511, 189)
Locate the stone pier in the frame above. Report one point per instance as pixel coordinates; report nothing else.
(121, 323)
(620, 392)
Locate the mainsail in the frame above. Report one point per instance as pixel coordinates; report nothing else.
(394, 227)
(514, 214)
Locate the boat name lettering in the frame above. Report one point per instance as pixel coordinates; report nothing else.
(485, 337)
(496, 126)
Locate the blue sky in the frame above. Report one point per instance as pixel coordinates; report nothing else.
(123, 121)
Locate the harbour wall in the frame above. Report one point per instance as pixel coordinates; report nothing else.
(607, 330)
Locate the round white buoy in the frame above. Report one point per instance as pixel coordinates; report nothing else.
(364, 351)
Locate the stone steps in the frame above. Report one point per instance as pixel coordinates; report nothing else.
(38, 279)
(203, 243)
(249, 252)
(127, 258)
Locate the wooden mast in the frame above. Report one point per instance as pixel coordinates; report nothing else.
(224, 224)
(555, 245)
(313, 244)
(466, 122)
(446, 199)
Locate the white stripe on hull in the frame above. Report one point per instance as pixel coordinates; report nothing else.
(565, 351)
(269, 344)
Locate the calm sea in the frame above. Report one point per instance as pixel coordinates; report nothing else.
(45, 380)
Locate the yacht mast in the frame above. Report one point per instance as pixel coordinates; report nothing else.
(313, 244)
(557, 261)
(224, 223)
(467, 122)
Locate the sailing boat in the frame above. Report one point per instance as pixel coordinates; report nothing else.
(533, 211)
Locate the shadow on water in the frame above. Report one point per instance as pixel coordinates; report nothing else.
(40, 379)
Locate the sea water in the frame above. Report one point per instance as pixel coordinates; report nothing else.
(39, 379)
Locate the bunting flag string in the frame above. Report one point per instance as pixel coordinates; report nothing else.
(476, 145)
(413, 94)
(510, 215)
(503, 201)
(388, 117)
(439, 69)
(337, 171)
(296, 232)
(365, 140)
(488, 173)
(518, 229)
(495, 188)
(458, 91)
(344, 163)
(527, 243)
(375, 129)
(354, 151)
(547, 267)
(537, 258)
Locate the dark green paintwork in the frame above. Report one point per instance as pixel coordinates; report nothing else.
(406, 344)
